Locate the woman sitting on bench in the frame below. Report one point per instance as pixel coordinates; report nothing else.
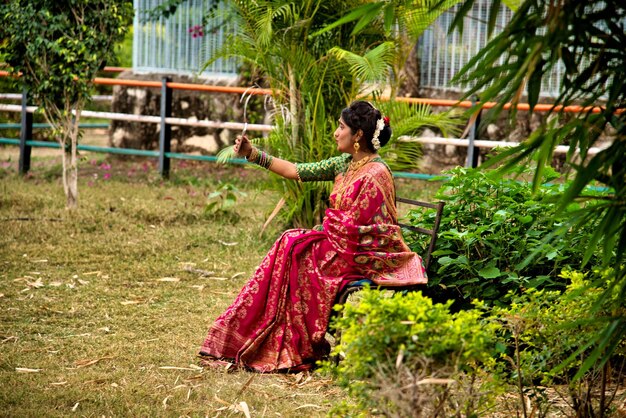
(278, 321)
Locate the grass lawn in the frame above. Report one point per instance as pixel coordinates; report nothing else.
(103, 309)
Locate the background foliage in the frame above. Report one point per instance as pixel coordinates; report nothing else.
(404, 355)
(587, 38)
(531, 327)
(494, 237)
(290, 48)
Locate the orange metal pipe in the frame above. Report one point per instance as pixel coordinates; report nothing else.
(544, 107)
(434, 102)
(541, 107)
(130, 83)
(115, 69)
(181, 86)
(219, 89)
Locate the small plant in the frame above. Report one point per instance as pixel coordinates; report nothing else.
(223, 200)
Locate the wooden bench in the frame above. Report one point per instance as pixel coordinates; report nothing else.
(358, 285)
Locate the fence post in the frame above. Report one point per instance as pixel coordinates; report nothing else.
(165, 135)
(472, 151)
(26, 134)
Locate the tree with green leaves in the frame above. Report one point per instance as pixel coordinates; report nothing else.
(289, 47)
(400, 24)
(57, 48)
(587, 39)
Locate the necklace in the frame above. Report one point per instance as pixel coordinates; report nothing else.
(349, 176)
(354, 166)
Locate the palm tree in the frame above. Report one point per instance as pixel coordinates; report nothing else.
(273, 39)
(394, 27)
(289, 45)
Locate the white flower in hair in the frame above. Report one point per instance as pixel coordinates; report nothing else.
(380, 125)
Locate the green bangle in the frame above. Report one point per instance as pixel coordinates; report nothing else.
(265, 160)
(260, 158)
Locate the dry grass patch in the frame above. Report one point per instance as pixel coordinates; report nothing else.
(102, 310)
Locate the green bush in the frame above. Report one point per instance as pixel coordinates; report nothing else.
(490, 228)
(403, 354)
(548, 335)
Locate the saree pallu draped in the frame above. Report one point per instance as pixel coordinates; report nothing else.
(279, 319)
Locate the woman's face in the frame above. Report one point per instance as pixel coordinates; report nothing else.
(345, 138)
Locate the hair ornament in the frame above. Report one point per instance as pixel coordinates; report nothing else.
(380, 125)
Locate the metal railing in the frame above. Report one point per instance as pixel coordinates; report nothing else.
(166, 121)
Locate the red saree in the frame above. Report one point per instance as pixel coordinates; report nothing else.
(278, 321)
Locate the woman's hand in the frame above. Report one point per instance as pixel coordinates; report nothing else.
(243, 146)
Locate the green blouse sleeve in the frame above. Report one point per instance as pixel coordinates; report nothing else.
(324, 170)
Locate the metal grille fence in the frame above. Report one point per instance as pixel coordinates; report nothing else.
(168, 46)
(442, 55)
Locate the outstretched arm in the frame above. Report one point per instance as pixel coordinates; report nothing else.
(284, 168)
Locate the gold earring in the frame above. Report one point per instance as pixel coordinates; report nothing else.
(357, 146)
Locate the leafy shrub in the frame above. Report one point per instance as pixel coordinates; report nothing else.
(550, 334)
(490, 228)
(406, 356)
(223, 200)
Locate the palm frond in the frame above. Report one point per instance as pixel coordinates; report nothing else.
(418, 19)
(512, 4)
(372, 66)
(225, 155)
(364, 13)
(410, 119)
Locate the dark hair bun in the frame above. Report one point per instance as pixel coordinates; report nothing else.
(364, 116)
(385, 135)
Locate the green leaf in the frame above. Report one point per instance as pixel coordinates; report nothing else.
(534, 84)
(525, 219)
(457, 22)
(211, 207)
(390, 17)
(445, 260)
(370, 67)
(356, 14)
(551, 255)
(228, 203)
(490, 272)
(493, 15)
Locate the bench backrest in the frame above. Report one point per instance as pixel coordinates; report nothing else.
(432, 233)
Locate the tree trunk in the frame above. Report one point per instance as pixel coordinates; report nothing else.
(69, 134)
(410, 75)
(293, 106)
(70, 179)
